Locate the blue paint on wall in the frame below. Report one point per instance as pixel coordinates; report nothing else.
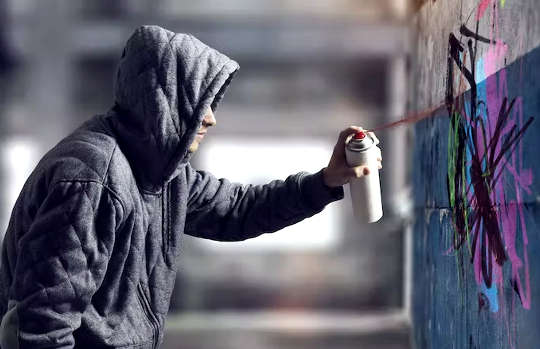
(492, 296)
(450, 309)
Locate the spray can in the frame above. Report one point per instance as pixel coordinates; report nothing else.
(361, 149)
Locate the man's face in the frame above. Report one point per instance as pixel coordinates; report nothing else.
(208, 120)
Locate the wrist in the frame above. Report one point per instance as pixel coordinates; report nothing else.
(327, 180)
(317, 193)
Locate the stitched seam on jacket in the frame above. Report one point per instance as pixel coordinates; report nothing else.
(163, 205)
(213, 202)
(105, 175)
(211, 84)
(167, 99)
(148, 192)
(109, 189)
(168, 219)
(136, 52)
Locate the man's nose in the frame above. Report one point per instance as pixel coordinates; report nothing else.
(209, 118)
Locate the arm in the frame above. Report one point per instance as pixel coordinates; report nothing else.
(61, 263)
(225, 211)
(220, 210)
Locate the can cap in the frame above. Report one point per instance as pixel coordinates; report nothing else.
(361, 141)
(360, 135)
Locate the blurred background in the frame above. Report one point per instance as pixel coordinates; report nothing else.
(308, 70)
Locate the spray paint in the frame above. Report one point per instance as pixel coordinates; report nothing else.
(361, 149)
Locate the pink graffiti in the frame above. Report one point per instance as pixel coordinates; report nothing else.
(482, 7)
(511, 215)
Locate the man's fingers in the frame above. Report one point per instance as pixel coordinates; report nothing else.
(346, 132)
(358, 171)
(339, 149)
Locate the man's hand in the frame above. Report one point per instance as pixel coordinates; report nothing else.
(338, 172)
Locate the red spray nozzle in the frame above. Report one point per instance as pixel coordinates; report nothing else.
(360, 135)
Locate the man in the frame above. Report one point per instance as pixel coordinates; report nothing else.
(89, 257)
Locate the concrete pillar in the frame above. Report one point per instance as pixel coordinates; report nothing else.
(395, 155)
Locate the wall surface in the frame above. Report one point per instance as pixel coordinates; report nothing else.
(476, 189)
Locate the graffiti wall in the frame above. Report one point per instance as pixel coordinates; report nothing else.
(476, 170)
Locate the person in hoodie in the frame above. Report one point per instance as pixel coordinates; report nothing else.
(89, 256)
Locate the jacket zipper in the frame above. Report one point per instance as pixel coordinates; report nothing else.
(149, 314)
(165, 219)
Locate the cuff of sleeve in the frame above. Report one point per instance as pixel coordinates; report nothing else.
(317, 193)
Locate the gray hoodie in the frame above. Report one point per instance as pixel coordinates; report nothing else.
(89, 256)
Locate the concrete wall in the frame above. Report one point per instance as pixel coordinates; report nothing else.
(517, 24)
(476, 191)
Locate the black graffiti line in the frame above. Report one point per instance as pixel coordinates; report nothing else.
(470, 34)
(510, 146)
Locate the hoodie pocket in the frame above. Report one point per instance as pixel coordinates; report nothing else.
(150, 316)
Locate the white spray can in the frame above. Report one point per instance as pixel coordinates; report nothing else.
(361, 149)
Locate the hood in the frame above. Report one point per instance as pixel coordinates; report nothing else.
(165, 81)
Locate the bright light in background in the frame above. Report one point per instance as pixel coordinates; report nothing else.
(18, 156)
(261, 160)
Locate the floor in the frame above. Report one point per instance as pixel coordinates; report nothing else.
(389, 330)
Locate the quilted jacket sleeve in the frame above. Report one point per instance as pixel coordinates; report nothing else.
(62, 261)
(225, 211)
